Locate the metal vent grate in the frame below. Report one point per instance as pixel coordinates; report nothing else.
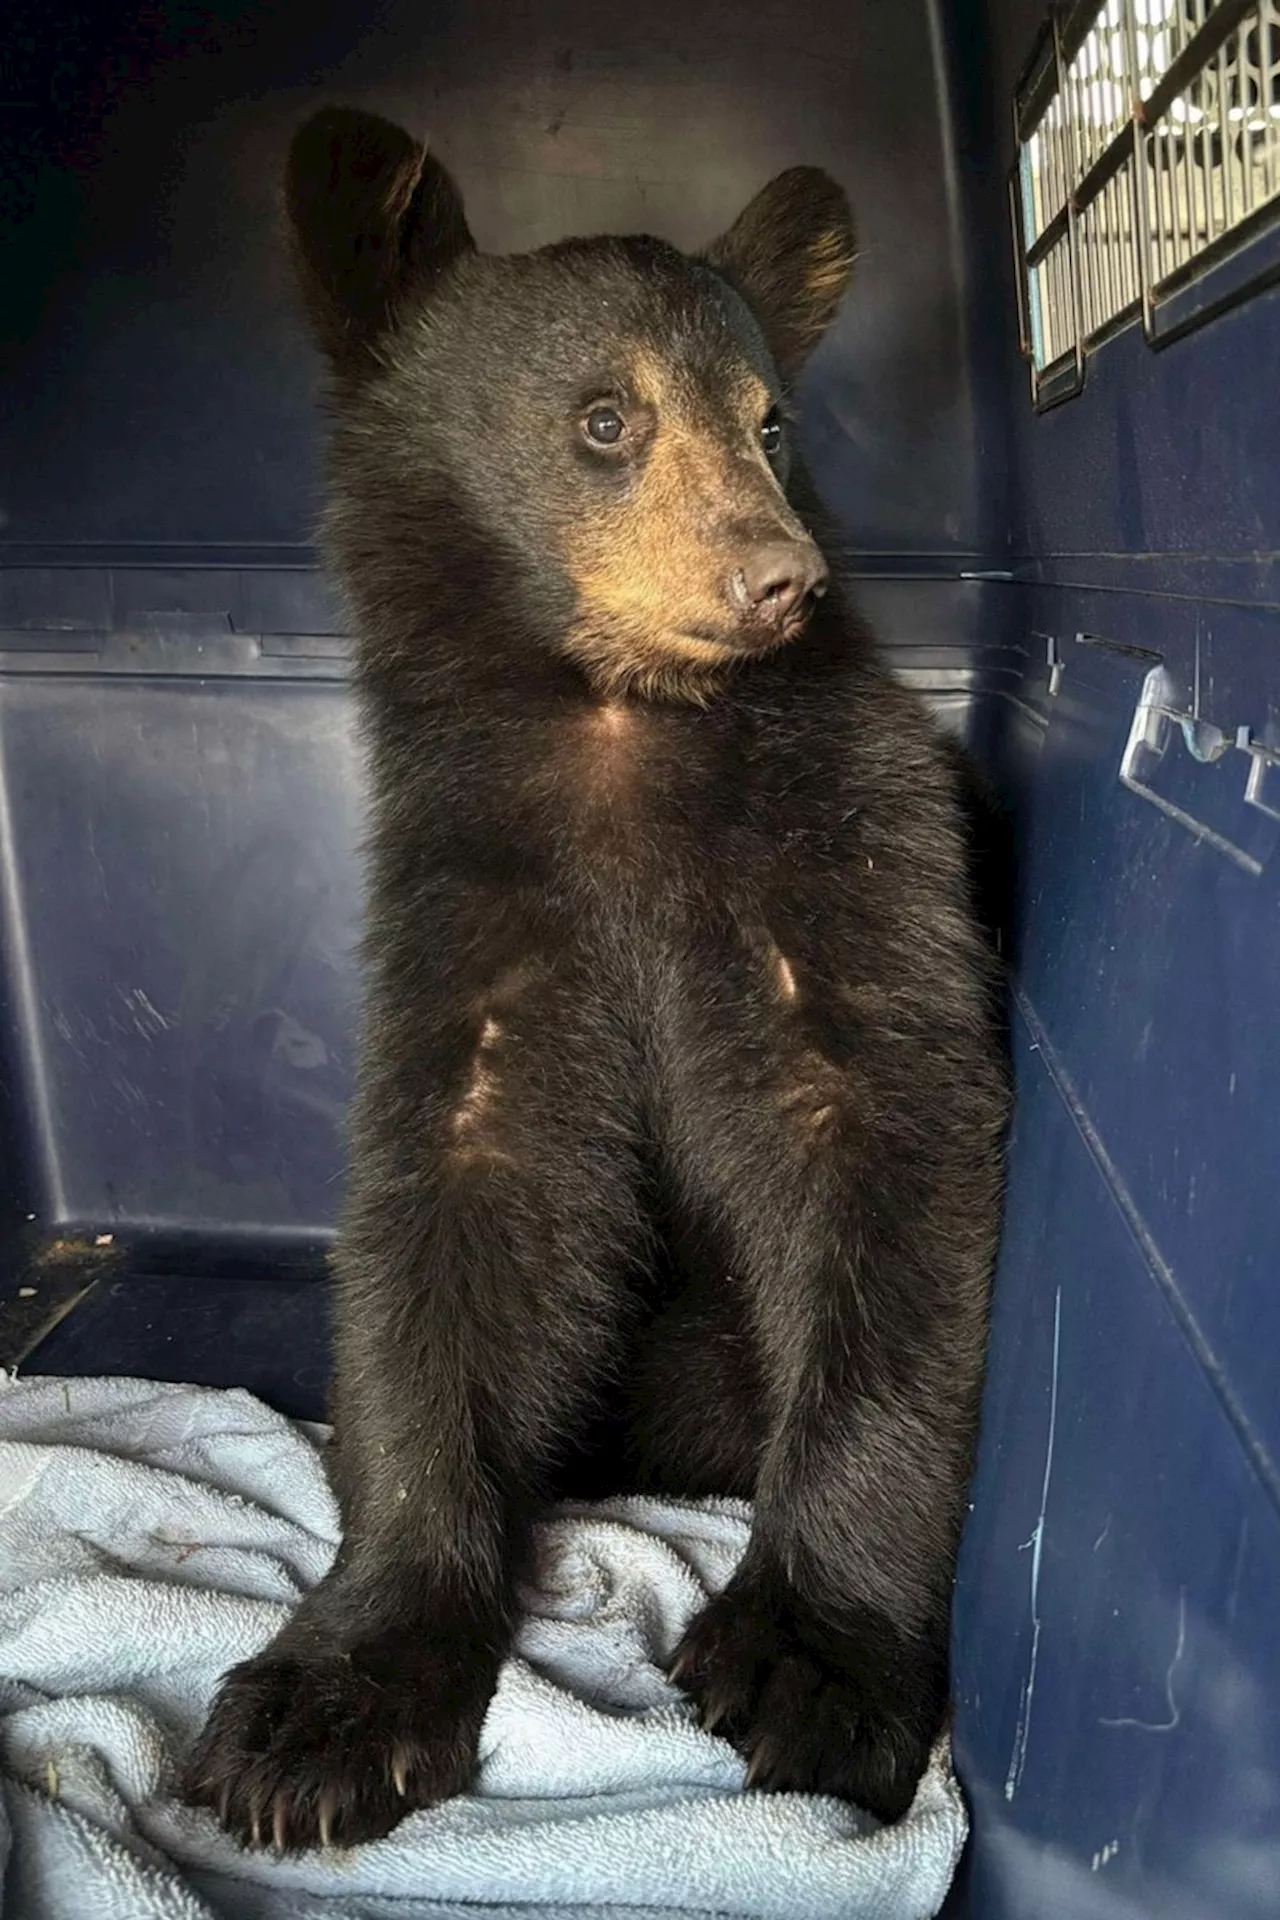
(1148, 153)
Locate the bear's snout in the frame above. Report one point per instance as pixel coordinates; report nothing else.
(776, 582)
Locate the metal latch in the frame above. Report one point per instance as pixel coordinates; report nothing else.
(1260, 791)
(1158, 718)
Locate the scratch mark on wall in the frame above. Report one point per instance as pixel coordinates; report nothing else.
(1174, 1715)
(145, 1016)
(1018, 1758)
(1233, 1598)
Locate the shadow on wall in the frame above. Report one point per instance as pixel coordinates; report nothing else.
(150, 311)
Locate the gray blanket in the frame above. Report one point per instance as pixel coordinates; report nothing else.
(151, 1536)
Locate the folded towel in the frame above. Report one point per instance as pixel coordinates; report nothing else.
(151, 1536)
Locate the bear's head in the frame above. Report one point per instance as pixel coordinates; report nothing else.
(588, 445)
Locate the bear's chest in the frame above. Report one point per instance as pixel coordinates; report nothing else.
(651, 795)
(666, 816)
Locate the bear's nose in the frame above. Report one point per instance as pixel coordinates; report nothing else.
(776, 579)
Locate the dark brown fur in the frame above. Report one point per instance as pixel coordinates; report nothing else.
(677, 1145)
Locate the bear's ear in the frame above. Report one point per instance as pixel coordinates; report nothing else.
(789, 254)
(374, 221)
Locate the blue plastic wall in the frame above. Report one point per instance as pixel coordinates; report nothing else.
(180, 803)
(1118, 1659)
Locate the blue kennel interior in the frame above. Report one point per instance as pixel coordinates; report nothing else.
(1085, 581)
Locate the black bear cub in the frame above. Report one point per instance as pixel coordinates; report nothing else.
(677, 1148)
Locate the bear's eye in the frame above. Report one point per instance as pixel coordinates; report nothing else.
(605, 426)
(771, 435)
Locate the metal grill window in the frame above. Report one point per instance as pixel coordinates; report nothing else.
(1148, 150)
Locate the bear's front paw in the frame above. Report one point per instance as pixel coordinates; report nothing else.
(335, 1749)
(812, 1712)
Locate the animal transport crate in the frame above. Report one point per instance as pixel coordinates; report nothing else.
(1048, 419)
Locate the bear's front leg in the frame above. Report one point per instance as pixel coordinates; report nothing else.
(858, 1182)
(825, 1659)
(494, 1213)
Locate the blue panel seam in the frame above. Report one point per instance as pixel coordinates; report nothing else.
(1253, 1447)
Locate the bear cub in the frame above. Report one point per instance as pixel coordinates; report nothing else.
(677, 1141)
